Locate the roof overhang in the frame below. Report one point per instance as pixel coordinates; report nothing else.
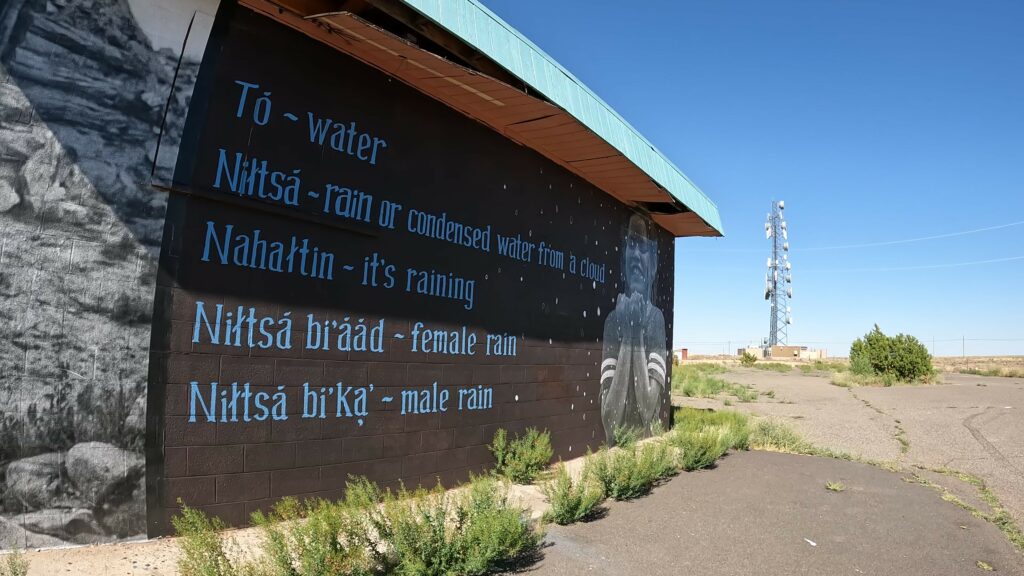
(510, 103)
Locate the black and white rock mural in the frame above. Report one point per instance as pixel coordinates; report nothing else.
(84, 85)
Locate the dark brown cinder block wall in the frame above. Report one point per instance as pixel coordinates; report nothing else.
(357, 280)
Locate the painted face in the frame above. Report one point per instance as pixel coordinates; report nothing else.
(639, 253)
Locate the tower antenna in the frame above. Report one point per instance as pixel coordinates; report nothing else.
(778, 289)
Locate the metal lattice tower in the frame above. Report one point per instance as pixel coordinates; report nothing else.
(778, 288)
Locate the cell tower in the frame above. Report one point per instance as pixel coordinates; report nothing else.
(778, 289)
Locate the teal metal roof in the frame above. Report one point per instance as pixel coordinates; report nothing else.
(486, 32)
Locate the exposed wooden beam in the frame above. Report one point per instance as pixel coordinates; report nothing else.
(307, 7)
(438, 35)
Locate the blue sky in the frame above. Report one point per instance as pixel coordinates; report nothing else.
(873, 120)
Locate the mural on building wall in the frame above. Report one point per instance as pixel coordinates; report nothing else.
(634, 362)
(349, 277)
(83, 93)
(360, 280)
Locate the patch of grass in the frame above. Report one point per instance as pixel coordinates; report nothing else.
(901, 437)
(520, 460)
(774, 367)
(709, 368)
(806, 368)
(735, 426)
(14, 564)
(704, 436)
(571, 501)
(743, 393)
(993, 372)
(698, 381)
(776, 436)
(856, 380)
(769, 394)
(835, 486)
(985, 566)
(628, 474)
(999, 516)
(823, 366)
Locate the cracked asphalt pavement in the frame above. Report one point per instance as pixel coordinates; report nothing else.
(973, 424)
(770, 514)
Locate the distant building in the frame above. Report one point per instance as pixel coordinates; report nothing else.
(796, 353)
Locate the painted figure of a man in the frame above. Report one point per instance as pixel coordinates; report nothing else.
(633, 367)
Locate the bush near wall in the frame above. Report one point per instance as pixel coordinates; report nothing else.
(902, 356)
(521, 459)
(372, 532)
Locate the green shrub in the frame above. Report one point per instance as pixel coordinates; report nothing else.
(475, 531)
(627, 474)
(571, 501)
(14, 564)
(626, 436)
(747, 359)
(202, 550)
(523, 458)
(472, 531)
(861, 364)
(899, 357)
(319, 537)
(806, 368)
(701, 449)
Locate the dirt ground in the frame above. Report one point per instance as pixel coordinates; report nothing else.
(957, 363)
(941, 363)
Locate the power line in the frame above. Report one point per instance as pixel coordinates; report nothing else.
(923, 267)
(911, 240)
(840, 341)
(813, 270)
(874, 244)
